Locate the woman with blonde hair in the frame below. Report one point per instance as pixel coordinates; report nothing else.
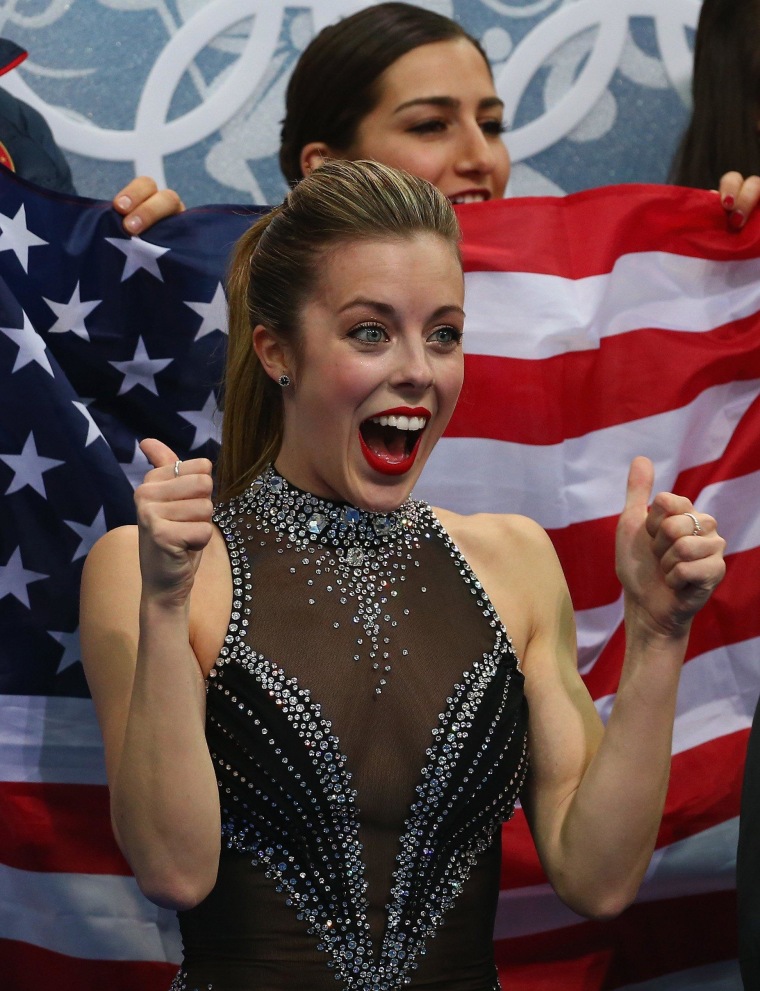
(320, 697)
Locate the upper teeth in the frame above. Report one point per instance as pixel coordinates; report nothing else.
(400, 422)
(469, 198)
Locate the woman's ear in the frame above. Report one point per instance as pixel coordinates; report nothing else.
(314, 154)
(271, 352)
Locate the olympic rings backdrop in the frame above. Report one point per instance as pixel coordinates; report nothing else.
(191, 91)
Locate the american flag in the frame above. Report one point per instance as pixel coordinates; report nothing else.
(602, 325)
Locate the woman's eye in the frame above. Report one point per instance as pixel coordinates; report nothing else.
(446, 335)
(493, 127)
(429, 126)
(369, 333)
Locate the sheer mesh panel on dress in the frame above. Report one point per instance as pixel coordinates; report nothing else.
(368, 726)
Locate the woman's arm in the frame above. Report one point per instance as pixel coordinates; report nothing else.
(594, 796)
(595, 799)
(147, 682)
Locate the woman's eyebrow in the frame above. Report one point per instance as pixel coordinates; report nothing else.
(449, 103)
(387, 309)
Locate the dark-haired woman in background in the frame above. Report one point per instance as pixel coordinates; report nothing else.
(407, 87)
(404, 86)
(318, 708)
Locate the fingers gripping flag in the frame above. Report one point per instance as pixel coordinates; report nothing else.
(602, 325)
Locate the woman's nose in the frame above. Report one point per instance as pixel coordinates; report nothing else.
(414, 369)
(476, 152)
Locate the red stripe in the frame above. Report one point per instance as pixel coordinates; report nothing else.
(647, 941)
(741, 457)
(587, 554)
(58, 828)
(618, 382)
(626, 219)
(591, 576)
(29, 968)
(705, 787)
(730, 616)
(69, 835)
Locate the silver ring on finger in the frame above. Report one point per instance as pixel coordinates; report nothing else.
(697, 528)
(178, 462)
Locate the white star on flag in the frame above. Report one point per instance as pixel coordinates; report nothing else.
(140, 370)
(29, 468)
(88, 534)
(203, 421)
(214, 314)
(139, 254)
(17, 237)
(72, 653)
(93, 430)
(14, 578)
(71, 315)
(31, 346)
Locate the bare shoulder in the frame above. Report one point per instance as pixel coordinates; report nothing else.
(489, 538)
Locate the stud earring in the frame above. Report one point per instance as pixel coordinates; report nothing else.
(284, 380)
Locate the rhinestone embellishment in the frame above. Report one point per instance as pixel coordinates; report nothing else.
(288, 797)
(316, 523)
(367, 556)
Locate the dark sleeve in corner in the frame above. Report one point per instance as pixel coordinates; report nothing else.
(31, 146)
(748, 864)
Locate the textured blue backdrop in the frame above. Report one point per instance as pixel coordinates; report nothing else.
(191, 90)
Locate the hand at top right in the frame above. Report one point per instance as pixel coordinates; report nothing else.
(739, 197)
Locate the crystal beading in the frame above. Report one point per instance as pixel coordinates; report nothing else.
(368, 554)
(288, 799)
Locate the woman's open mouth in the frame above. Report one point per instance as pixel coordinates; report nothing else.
(390, 440)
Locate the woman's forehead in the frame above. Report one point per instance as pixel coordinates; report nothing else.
(376, 258)
(437, 69)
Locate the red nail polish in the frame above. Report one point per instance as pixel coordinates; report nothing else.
(728, 202)
(736, 220)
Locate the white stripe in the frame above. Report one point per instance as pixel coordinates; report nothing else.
(583, 478)
(51, 739)
(95, 916)
(723, 976)
(734, 505)
(528, 315)
(717, 695)
(701, 863)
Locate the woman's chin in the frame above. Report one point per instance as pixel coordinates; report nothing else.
(383, 491)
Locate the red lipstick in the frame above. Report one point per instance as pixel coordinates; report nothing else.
(388, 462)
(387, 467)
(403, 411)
